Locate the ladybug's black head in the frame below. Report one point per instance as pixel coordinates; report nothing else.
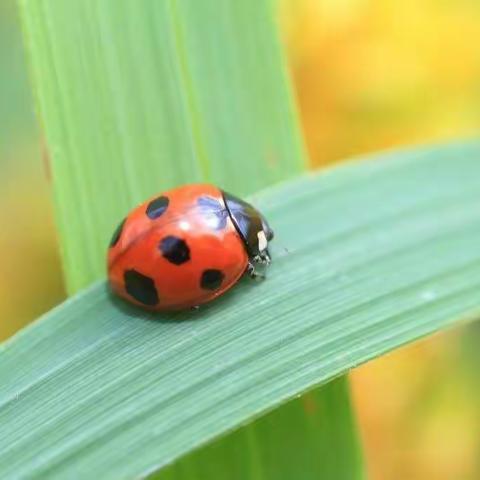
(250, 224)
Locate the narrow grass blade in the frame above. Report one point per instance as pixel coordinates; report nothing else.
(136, 97)
(381, 252)
(289, 443)
(139, 96)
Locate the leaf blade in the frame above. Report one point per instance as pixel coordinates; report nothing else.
(305, 428)
(138, 98)
(354, 286)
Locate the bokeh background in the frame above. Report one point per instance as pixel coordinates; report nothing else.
(369, 75)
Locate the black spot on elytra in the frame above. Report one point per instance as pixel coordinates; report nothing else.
(140, 287)
(175, 250)
(117, 233)
(157, 207)
(215, 213)
(211, 279)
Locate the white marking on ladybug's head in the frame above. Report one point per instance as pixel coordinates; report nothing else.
(262, 241)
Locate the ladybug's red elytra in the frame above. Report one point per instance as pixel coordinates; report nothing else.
(186, 247)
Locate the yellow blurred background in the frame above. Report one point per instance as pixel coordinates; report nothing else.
(369, 75)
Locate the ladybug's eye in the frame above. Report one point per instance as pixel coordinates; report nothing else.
(266, 228)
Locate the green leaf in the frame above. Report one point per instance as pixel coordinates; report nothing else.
(316, 430)
(380, 252)
(139, 96)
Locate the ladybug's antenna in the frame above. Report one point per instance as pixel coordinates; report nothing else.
(281, 250)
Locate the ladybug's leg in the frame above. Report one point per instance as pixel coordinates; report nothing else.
(262, 258)
(254, 273)
(266, 256)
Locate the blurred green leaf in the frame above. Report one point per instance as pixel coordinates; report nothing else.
(139, 96)
(136, 97)
(308, 438)
(16, 113)
(380, 252)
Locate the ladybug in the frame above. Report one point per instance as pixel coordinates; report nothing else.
(186, 247)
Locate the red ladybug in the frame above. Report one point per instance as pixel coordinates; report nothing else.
(186, 247)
